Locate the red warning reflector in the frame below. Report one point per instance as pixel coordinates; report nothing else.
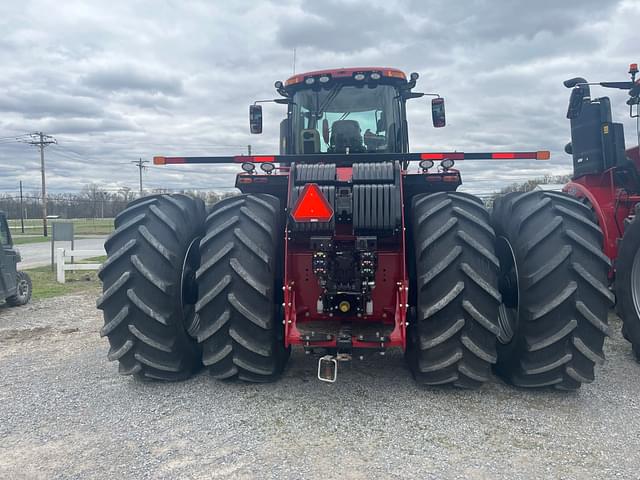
(312, 206)
(254, 158)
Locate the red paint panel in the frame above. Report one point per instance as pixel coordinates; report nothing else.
(344, 174)
(307, 290)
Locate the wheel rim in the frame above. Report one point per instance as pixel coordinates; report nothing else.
(188, 284)
(23, 289)
(635, 282)
(509, 310)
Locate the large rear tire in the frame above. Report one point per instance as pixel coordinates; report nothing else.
(627, 284)
(239, 282)
(148, 287)
(553, 282)
(452, 340)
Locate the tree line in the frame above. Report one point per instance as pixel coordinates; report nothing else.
(92, 201)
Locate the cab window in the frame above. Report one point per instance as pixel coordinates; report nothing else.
(5, 236)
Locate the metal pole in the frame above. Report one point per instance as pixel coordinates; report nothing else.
(140, 168)
(44, 186)
(21, 210)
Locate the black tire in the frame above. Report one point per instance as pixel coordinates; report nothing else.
(556, 301)
(25, 289)
(452, 339)
(626, 284)
(239, 282)
(146, 319)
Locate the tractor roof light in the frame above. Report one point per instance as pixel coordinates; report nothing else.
(267, 167)
(312, 206)
(426, 164)
(278, 85)
(375, 76)
(414, 76)
(310, 81)
(447, 163)
(324, 79)
(248, 167)
(359, 77)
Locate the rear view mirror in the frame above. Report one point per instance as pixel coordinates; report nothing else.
(255, 118)
(437, 112)
(575, 103)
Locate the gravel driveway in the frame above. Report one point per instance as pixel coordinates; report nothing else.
(65, 413)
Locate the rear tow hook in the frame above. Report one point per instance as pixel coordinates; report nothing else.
(328, 369)
(328, 366)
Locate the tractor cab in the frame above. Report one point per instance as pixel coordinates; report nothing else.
(597, 143)
(346, 111)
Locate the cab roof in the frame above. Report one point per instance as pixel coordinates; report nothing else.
(346, 72)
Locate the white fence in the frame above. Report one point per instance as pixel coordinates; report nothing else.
(62, 266)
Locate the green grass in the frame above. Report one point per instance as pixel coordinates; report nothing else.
(81, 226)
(26, 240)
(46, 286)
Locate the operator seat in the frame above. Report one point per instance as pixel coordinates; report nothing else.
(346, 134)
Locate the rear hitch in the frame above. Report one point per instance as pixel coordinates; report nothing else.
(327, 369)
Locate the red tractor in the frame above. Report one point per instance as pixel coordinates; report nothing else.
(607, 178)
(343, 247)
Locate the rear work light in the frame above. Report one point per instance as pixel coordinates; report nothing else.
(447, 163)
(312, 206)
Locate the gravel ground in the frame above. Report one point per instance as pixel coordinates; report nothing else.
(65, 413)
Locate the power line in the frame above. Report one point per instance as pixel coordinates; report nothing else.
(140, 164)
(41, 141)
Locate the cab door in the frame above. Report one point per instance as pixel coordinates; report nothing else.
(8, 262)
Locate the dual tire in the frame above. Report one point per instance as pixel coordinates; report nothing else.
(182, 289)
(553, 281)
(523, 292)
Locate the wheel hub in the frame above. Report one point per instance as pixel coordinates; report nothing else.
(635, 282)
(188, 284)
(509, 309)
(23, 289)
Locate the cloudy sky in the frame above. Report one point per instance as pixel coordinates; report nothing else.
(121, 80)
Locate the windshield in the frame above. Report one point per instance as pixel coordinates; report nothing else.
(347, 119)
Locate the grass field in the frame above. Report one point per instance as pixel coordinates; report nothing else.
(81, 226)
(46, 286)
(20, 240)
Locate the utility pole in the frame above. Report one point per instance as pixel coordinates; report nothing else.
(21, 210)
(41, 140)
(140, 164)
(249, 149)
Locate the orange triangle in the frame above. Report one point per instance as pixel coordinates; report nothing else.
(312, 206)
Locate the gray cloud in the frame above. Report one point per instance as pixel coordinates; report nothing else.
(128, 77)
(121, 80)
